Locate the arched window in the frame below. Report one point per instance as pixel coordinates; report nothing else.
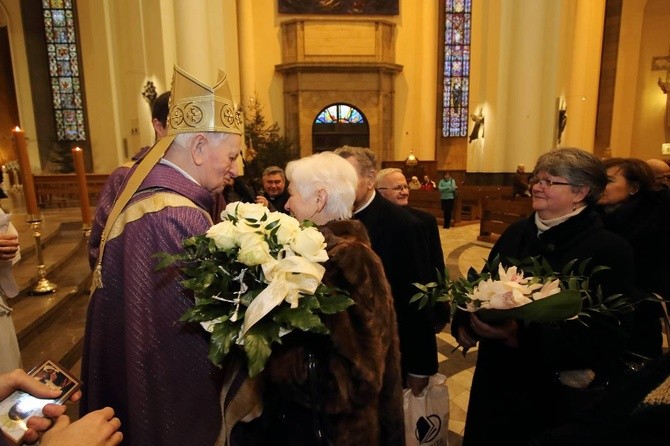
(64, 69)
(338, 125)
(456, 81)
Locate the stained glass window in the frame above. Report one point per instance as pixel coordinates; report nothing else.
(456, 81)
(341, 113)
(66, 88)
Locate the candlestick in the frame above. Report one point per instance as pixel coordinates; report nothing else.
(78, 156)
(43, 285)
(26, 173)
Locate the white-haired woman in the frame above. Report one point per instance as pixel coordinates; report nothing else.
(357, 374)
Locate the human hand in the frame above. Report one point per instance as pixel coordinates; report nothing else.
(20, 380)
(417, 383)
(465, 339)
(505, 332)
(262, 200)
(9, 246)
(98, 428)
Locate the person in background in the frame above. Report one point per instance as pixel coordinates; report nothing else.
(275, 194)
(661, 173)
(447, 188)
(522, 386)
(358, 364)
(520, 186)
(99, 428)
(414, 183)
(111, 188)
(10, 355)
(397, 238)
(138, 357)
(392, 185)
(427, 183)
(634, 210)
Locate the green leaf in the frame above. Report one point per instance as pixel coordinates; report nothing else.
(334, 303)
(301, 318)
(220, 342)
(556, 308)
(257, 345)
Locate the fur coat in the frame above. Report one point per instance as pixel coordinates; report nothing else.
(358, 364)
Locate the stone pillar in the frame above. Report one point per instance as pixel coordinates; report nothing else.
(247, 56)
(515, 82)
(192, 38)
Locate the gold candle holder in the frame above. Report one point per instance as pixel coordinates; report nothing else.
(43, 285)
(86, 230)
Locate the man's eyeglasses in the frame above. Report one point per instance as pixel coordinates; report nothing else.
(547, 183)
(400, 188)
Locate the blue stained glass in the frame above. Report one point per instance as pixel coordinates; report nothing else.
(61, 38)
(339, 113)
(456, 85)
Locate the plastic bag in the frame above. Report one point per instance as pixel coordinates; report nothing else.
(427, 415)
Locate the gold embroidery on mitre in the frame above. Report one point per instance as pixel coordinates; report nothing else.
(195, 106)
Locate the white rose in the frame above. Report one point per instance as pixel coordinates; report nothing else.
(287, 229)
(224, 235)
(310, 244)
(254, 250)
(252, 216)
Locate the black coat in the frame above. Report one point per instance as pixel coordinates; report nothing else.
(515, 393)
(436, 258)
(398, 239)
(644, 221)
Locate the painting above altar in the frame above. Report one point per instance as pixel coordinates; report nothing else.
(360, 7)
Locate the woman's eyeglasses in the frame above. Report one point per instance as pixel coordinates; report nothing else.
(400, 188)
(545, 183)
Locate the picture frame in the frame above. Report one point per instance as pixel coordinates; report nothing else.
(17, 408)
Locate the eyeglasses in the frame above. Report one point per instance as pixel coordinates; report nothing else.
(545, 183)
(400, 188)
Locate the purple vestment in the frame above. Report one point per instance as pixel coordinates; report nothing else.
(138, 358)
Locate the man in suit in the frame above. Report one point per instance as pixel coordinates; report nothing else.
(398, 239)
(392, 185)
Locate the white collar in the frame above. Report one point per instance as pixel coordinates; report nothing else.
(178, 169)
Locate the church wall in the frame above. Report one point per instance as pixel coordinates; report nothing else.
(415, 96)
(12, 12)
(650, 128)
(632, 17)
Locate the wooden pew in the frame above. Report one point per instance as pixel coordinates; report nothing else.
(428, 201)
(469, 199)
(61, 190)
(498, 214)
(467, 205)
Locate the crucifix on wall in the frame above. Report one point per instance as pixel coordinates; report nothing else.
(662, 63)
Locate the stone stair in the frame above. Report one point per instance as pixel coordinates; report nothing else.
(51, 326)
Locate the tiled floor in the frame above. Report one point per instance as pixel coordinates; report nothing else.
(461, 251)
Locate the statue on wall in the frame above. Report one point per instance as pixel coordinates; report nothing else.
(479, 125)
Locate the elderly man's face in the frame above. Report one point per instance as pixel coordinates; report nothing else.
(273, 184)
(394, 188)
(365, 184)
(220, 162)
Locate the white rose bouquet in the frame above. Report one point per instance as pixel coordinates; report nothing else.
(529, 291)
(256, 276)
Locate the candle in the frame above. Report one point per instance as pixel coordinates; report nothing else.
(78, 157)
(26, 172)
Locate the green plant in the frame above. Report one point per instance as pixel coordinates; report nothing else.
(270, 146)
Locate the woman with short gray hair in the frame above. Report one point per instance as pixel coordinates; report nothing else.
(521, 386)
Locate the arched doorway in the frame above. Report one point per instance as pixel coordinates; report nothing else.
(338, 125)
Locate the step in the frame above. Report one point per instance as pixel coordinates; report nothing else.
(62, 340)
